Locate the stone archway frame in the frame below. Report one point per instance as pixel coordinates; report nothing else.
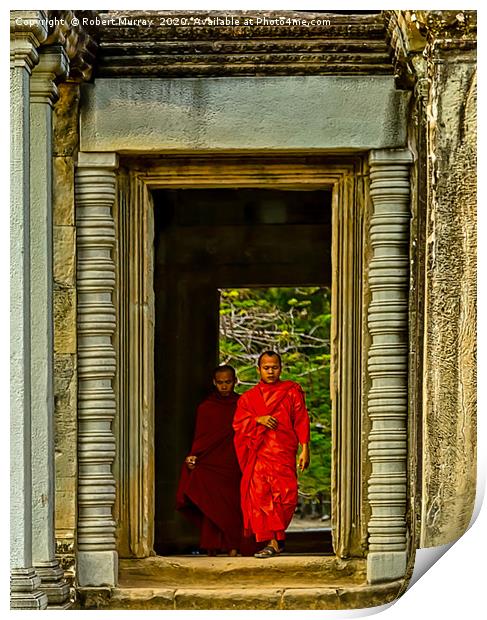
(134, 465)
(369, 344)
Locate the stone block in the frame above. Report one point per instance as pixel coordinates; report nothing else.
(66, 507)
(228, 598)
(97, 568)
(65, 384)
(142, 598)
(65, 121)
(340, 598)
(314, 112)
(386, 566)
(64, 320)
(65, 255)
(311, 598)
(63, 191)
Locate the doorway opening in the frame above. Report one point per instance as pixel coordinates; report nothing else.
(208, 242)
(295, 322)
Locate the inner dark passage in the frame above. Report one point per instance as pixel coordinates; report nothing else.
(205, 240)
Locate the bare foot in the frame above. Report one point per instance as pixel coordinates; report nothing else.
(275, 545)
(232, 553)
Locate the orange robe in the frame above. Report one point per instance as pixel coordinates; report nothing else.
(267, 458)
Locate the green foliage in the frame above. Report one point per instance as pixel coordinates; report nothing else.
(295, 322)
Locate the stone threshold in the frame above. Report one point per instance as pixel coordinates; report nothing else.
(236, 598)
(286, 582)
(286, 570)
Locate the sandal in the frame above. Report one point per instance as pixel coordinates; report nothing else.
(266, 552)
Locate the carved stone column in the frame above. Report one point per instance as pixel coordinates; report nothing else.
(43, 92)
(27, 31)
(387, 363)
(95, 195)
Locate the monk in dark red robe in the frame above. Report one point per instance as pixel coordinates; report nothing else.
(209, 487)
(270, 422)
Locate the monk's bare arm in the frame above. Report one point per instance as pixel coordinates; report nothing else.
(303, 462)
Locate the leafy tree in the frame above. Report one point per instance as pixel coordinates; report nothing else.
(295, 322)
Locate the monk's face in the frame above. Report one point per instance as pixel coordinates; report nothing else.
(269, 369)
(224, 382)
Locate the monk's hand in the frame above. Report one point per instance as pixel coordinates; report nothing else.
(191, 461)
(303, 462)
(268, 421)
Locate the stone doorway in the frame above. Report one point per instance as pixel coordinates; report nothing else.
(207, 239)
(341, 179)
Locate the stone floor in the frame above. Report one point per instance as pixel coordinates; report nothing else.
(284, 582)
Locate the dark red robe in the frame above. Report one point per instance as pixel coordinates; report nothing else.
(269, 488)
(209, 494)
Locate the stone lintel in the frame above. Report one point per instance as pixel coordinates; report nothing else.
(293, 113)
(387, 566)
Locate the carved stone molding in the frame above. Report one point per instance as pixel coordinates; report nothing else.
(223, 43)
(348, 527)
(28, 30)
(447, 27)
(53, 63)
(25, 590)
(134, 465)
(388, 275)
(407, 44)
(74, 32)
(95, 195)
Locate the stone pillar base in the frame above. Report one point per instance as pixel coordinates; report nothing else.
(54, 585)
(24, 590)
(387, 566)
(97, 568)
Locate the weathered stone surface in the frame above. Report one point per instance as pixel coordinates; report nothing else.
(65, 505)
(449, 411)
(340, 598)
(65, 388)
(65, 122)
(63, 191)
(313, 112)
(284, 571)
(142, 598)
(236, 597)
(223, 43)
(64, 255)
(65, 439)
(64, 320)
(93, 598)
(228, 598)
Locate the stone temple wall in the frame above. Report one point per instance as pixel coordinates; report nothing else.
(449, 378)
(65, 148)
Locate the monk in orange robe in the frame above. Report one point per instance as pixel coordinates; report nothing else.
(270, 422)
